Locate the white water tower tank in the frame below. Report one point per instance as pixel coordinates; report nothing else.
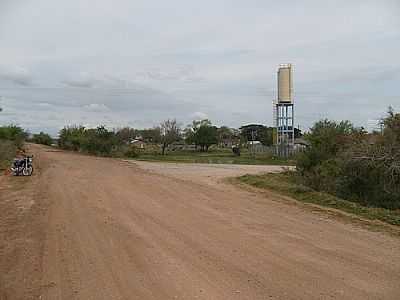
(285, 85)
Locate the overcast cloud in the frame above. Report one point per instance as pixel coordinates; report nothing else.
(138, 62)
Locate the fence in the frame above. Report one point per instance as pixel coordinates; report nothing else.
(274, 150)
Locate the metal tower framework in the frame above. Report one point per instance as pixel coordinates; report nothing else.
(284, 113)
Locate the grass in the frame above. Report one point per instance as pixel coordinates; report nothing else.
(214, 157)
(285, 184)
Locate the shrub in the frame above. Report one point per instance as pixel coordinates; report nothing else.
(131, 153)
(13, 133)
(96, 141)
(42, 138)
(99, 141)
(7, 152)
(11, 138)
(349, 163)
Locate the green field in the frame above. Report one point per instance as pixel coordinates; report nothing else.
(215, 157)
(285, 184)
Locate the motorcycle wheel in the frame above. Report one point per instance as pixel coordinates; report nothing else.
(27, 171)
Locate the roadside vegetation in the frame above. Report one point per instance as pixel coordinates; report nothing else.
(345, 162)
(217, 156)
(199, 142)
(11, 139)
(288, 185)
(42, 138)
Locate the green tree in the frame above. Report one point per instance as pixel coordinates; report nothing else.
(189, 135)
(99, 141)
(71, 137)
(326, 138)
(202, 133)
(206, 136)
(42, 138)
(258, 132)
(347, 162)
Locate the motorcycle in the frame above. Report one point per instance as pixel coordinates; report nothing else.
(22, 166)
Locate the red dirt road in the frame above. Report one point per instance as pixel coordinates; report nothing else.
(94, 228)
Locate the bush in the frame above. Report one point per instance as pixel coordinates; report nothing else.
(99, 141)
(71, 138)
(7, 152)
(349, 163)
(42, 138)
(131, 153)
(287, 184)
(13, 133)
(11, 138)
(96, 141)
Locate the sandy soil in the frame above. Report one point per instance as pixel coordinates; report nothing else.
(205, 173)
(92, 228)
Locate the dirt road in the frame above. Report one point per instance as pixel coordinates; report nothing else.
(95, 228)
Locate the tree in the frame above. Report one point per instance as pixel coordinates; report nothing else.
(151, 135)
(224, 135)
(326, 139)
(99, 141)
(42, 138)
(258, 132)
(170, 132)
(266, 136)
(126, 134)
(349, 163)
(189, 135)
(206, 136)
(201, 133)
(297, 133)
(391, 131)
(71, 137)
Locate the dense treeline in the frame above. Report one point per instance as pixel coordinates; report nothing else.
(350, 163)
(97, 141)
(120, 142)
(11, 139)
(42, 138)
(201, 134)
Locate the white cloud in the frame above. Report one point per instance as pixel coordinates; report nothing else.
(199, 116)
(15, 74)
(96, 107)
(214, 57)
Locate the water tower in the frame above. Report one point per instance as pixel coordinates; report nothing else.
(284, 111)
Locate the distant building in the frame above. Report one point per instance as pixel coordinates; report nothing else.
(229, 142)
(138, 143)
(300, 144)
(250, 143)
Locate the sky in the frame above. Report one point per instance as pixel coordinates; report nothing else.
(136, 63)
